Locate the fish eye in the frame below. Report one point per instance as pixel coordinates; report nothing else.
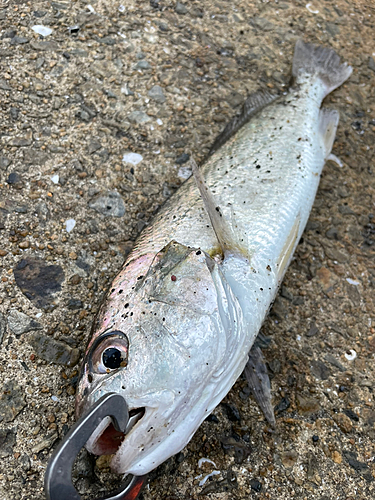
(112, 358)
(111, 353)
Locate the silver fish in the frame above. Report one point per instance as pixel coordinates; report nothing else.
(177, 325)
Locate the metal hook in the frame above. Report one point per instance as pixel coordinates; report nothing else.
(58, 478)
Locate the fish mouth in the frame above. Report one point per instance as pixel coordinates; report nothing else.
(107, 440)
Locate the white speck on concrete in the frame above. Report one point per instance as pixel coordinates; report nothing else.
(352, 282)
(350, 355)
(55, 178)
(133, 158)
(42, 30)
(203, 460)
(310, 8)
(159, 122)
(213, 473)
(69, 225)
(54, 398)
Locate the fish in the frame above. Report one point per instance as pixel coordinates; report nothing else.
(176, 327)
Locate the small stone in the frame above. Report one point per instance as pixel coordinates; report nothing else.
(326, 277)
(344, 422)
(93, 146)
(256, 485)
(75, 279)
(4, 162)
(319, 369)
(109, 205)
(181, 9)
(46, 443)
(12, 401)
(19, 40)
(234, 99)
(39, 282)
(20, 323)
(13, 179)
(20, 142)
(54, 351)
(262, 24)
(138, 117)
(75, 304)
(336, 254)
(3, 253)
(156, 93)
(289, 458)
(163, 27)
(371, 63)
(4, 85)
(307, 406)
(3, 327)
(7, 441)
(232, 412)
(336, 457)
(313, 330)
(182, 159)
(143, 65)
(283, 405)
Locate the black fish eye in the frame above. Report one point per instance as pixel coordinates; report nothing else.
(112, 358)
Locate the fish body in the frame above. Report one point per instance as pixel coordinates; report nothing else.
(176, 327)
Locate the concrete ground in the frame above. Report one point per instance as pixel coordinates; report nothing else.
(161, 79)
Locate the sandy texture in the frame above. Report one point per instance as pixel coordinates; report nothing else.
(161, 79)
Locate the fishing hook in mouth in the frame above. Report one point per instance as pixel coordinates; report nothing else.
(58, 483)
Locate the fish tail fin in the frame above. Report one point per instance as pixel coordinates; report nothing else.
(321, 61)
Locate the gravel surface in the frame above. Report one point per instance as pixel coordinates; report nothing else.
(99, 118)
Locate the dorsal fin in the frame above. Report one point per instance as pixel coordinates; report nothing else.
(224, 234)
(253, 104)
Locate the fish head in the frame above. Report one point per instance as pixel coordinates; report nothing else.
(159, 340)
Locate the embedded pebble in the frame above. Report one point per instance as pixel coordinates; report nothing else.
(110, 204)
(47, 442)
(138, 117)
(3, 327)
(38, 281)
(156, 93)
(55, 178)
(12, 401)
(53, 351)
(20, 323)
(7, 442)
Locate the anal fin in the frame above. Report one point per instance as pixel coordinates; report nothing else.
(257, 376)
